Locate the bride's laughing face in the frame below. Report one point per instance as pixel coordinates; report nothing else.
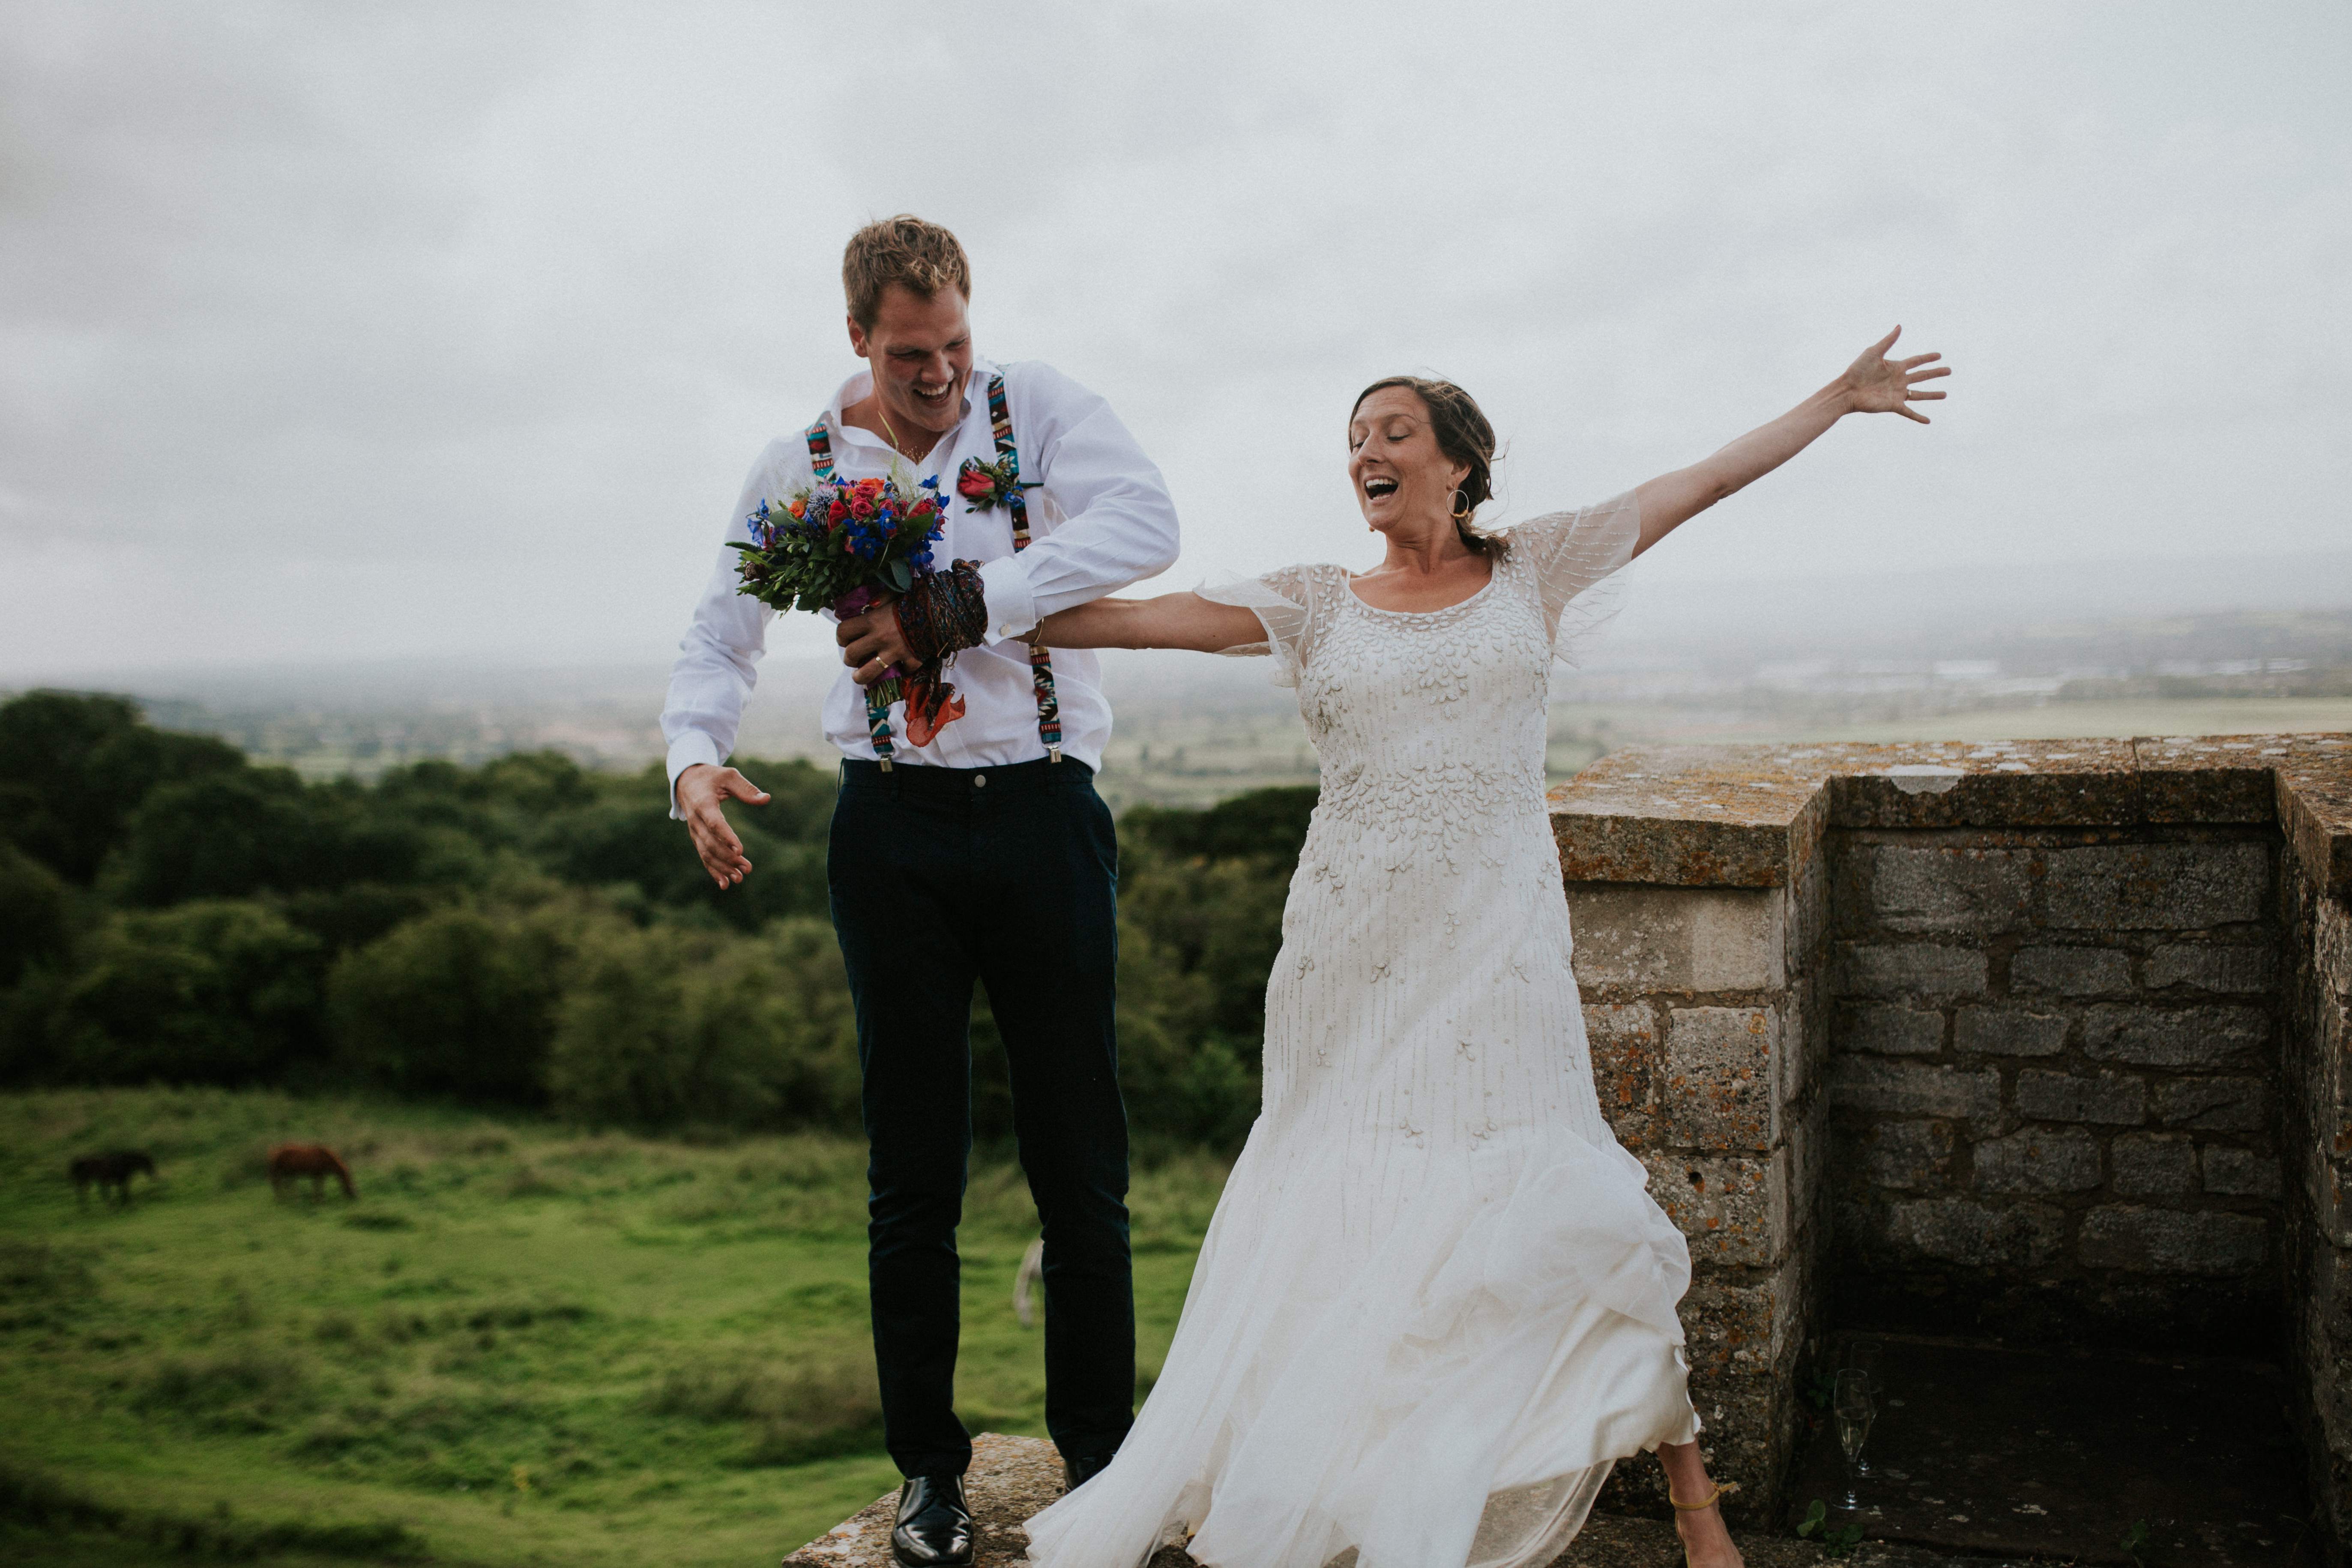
(1403, 482)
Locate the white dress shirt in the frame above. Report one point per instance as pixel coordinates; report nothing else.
(1101, 520)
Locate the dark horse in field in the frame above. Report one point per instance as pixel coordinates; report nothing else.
(288, 1163)
(113, 1173)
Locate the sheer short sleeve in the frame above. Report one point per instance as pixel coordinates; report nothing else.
(1572, 557)
(1285, 605)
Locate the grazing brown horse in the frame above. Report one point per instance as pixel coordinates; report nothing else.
(113, 1173)
(290, 1162)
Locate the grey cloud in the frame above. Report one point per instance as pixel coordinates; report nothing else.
(450, 329)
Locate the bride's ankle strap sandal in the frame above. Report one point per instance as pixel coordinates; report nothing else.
(1722, 1490)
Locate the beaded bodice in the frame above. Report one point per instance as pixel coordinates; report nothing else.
(1427, 722)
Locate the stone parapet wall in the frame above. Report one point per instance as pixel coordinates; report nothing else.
(2051, 1088)
(2038, 1039)
(1701, 1005)
(2315, 1133)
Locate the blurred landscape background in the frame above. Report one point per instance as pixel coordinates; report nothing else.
(2129, 647)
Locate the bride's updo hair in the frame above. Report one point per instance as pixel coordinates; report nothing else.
(1463, 435)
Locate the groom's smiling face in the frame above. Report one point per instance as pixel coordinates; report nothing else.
(921, 353)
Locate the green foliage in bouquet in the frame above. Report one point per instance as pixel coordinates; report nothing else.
(839, 543)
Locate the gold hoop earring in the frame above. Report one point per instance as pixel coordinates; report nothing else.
(1463, 509)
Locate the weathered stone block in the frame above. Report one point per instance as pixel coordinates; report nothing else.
(1958, 888)
(1676, 938)
(1718, 1087)
(2038, 1160)
(2330, 1069)
(1010, 1480)
(1805, 919)
(2153, 1167)
(2070, 970)
(2156, 886)
(2066, 782)
(1912, 1088)
(2175, 1036)
(1647, 819)
(1914, 1157)
(2241, 1173)
(1732, 1210)
(2168, 1241)
(1625, 1066)
(1727, 1330)
(1911, 970)
(1889, 1030)
(2110, 1098)
(2008, 1032)
(2212, 968)
(2214, 1104)
(1955, 1230)
(2184, 780)
(2331, 944)
(1797, 1057)
(2325, 1184)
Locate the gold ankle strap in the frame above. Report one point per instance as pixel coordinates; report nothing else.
(1717, 1495)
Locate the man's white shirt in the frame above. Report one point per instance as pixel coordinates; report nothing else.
(1100, 520)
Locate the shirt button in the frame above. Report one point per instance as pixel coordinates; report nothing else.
(980, 781)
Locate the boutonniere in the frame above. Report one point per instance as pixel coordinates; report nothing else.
(985, 485)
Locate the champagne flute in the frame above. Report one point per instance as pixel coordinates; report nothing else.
(1854, 1409)
(1866, 1356)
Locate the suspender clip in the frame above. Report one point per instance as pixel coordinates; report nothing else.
(886, 765)
(1052, 753)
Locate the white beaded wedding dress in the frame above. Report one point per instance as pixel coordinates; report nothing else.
(1437, 1302)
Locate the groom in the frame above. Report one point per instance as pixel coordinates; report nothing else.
(984, 855)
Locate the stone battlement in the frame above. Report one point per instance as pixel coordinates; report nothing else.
(2039, 1040)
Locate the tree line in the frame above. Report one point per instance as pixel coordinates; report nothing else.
(532, 934)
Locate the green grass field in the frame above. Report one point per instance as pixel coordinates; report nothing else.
(523, 1344)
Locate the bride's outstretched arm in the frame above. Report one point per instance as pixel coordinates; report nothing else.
(1870, 384)
(1171, 620)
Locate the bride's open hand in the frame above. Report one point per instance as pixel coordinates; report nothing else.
(1877, 384)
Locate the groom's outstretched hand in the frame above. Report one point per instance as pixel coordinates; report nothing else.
(702, 790)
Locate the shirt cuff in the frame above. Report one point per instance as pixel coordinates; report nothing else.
(684, 753)
(1011, 608)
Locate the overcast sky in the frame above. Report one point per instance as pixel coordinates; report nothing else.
(335, 332)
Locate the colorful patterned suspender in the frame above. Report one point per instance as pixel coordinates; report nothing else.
(1041, 663)
(878, 713)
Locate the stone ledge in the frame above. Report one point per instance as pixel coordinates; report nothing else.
(1012, 1477)
(1752, 816)
(1010, 1480)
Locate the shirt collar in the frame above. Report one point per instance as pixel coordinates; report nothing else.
(861, 385)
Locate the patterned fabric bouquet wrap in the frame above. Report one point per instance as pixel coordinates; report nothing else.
(846, 545)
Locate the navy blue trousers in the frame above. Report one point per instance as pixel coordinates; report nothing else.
(1007, 876)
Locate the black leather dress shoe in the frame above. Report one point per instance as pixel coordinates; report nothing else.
(1076, 1473)
(934, 1528)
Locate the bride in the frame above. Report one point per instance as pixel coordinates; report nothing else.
(1436, 1303)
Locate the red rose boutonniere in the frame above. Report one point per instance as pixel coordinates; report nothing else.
(985, 485)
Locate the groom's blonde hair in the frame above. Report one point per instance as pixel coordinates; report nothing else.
(922, 257)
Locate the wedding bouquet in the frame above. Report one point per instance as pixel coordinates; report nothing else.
(845, 545)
